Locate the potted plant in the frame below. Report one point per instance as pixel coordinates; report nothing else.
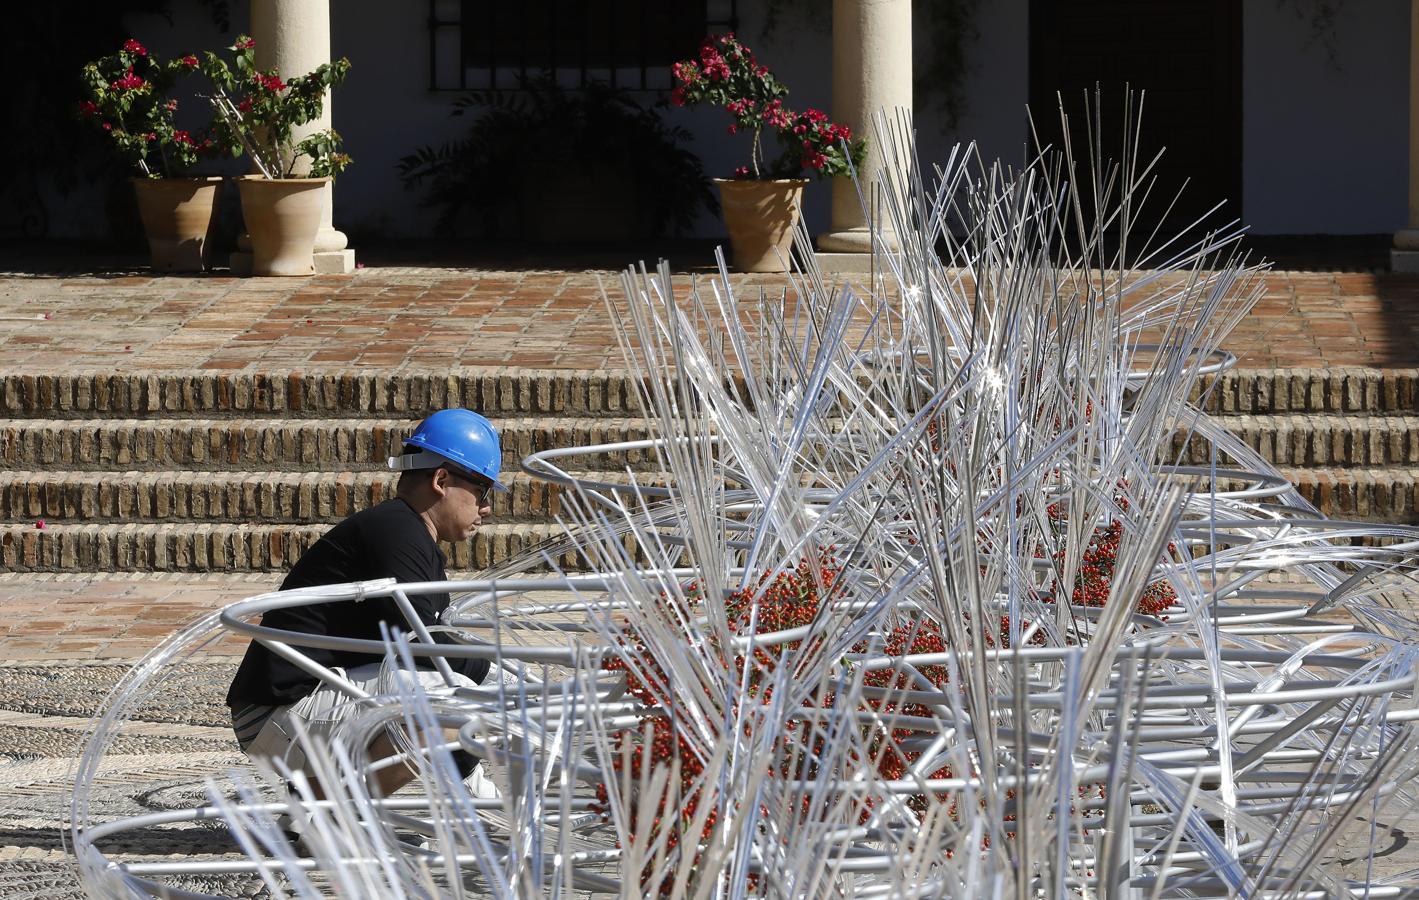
(763, 199)
(257, 112)
(128, 98)
(549, 164)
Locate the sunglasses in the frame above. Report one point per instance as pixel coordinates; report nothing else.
(482, 488)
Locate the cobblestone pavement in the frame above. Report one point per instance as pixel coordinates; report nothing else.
(400, 318)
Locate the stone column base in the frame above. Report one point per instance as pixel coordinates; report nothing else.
(853, 240)
(328, 262)
(831, 263)
(1404, 260)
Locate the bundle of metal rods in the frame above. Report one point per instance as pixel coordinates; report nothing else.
(918, 598)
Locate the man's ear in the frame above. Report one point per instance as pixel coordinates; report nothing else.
(439, 481)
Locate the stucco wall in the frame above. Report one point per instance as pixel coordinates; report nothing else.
(385, 108)
(1324, 143)
(997, 88)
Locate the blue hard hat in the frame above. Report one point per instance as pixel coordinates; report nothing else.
(458, 436)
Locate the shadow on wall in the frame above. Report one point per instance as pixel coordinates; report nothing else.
(547, 164)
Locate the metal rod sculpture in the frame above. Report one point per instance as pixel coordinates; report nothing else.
(926, 593)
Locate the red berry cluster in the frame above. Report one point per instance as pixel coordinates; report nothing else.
(1096, 571)
(789, 600)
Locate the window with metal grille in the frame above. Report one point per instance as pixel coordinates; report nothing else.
(625, 43)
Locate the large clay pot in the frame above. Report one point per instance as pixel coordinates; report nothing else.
(282, 216)
(760, 216)
(178, 214)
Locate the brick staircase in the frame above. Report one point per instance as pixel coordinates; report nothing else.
(202, 472)
(1347, 438)
(199, 472)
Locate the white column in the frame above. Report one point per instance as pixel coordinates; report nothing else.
(1405, 255)
(293, 37)
(872, 71)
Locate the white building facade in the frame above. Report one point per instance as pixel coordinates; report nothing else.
(1299, 133)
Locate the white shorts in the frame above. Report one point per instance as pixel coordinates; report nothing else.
(324, 710)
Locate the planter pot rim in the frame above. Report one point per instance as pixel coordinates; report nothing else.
(759, 180)
(252, 178)
(141, 179)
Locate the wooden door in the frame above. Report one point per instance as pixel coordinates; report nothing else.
(1185, 55)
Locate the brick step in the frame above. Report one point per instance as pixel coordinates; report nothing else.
(503, 391)
(1309, 440)
(1389, 494)
(319, 445)
(238, 497)
(494, 391)
(336, 445)
(1334, 390)
(222, 548)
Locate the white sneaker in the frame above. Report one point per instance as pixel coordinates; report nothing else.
(480, 786)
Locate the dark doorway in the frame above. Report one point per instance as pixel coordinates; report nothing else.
(1187, 56)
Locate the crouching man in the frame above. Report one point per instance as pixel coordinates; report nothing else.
(449, 469)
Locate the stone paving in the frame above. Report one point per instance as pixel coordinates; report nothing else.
(432, 318)
(73, 616)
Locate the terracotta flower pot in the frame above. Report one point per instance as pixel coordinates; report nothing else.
(177, 216)
(760, 216)
(282, 216)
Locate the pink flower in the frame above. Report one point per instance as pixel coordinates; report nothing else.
(129, 82)
(245, 105)
(271, 83)
(108, 126)
(714, 65)
(89, 108)
(182, 137)
(150, 136)
(133, 46)
(170, 106)
(741, 172)
(677, 95)
(686, 72)
(189, 60)
(245, 43)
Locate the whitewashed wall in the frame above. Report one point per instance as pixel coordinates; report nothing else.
(1324, 143)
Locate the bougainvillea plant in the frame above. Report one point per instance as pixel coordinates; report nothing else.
(258, 110)
(128, 97)
(727, 74)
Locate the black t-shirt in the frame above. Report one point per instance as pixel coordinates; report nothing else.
(389, 540)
